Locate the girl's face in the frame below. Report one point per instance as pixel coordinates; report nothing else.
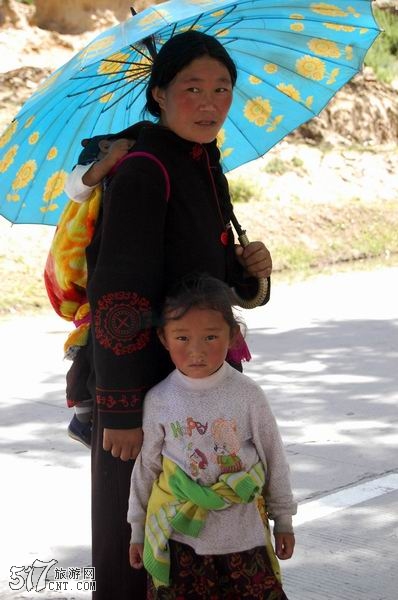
(198, 342)
(196, 102)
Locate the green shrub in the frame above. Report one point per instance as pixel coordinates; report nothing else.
(383, 55)
(297, 162)
(241, 190)
(276, 166)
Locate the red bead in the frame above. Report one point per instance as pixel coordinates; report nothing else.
(224, 238)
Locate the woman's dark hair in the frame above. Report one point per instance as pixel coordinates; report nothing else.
(176, 54)
(203, 292)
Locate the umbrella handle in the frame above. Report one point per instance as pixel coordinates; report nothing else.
(262, 291)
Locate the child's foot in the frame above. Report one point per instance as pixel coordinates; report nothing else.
(81, 432)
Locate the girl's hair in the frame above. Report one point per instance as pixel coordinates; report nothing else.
(203, 292)
(176, 54)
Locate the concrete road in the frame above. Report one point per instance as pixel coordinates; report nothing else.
(325, 350)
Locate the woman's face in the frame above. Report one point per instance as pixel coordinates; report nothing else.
(196, 102)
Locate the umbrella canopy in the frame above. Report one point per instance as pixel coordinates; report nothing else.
(292, 56)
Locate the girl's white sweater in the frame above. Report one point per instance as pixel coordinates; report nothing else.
(208, 426)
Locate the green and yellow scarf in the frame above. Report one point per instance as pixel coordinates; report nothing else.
(178, 503)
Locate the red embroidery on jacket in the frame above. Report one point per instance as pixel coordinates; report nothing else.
(122, 322)
(123, 401)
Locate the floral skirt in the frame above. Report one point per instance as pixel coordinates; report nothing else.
(218, 577)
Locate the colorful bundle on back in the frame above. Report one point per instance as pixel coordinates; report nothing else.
(65, 273)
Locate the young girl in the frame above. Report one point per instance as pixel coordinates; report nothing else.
(166, 214)
(210, 443)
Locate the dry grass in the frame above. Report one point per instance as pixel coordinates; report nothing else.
(313, 209)
(23, 251)
(302, 237)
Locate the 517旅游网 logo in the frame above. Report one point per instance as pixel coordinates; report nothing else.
(36, 577)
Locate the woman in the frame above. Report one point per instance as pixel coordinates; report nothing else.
(165, 214)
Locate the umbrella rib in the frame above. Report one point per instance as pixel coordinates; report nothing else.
(302, 104)
(248, 140)
(284, 46)
(110, 105)
(193, 24)
(120, 96)
(287, 68)
(291, 49)
(134, 99)
(140, 79)
(141, 68)
(136, 49)
(173, 30)
(272, 43)
(119, 62)
(224, 17)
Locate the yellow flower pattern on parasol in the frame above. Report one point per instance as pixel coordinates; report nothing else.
(324, 48)
(8, 134)
(53, 189)
(7, 160)
(25, 175)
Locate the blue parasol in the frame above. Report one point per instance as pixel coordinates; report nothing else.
(292, 57)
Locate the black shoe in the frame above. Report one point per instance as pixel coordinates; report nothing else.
(81, 432)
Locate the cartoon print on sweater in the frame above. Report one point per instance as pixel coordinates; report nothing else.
(179, 430)
(197, 461)
(226, 445)
(193, 425)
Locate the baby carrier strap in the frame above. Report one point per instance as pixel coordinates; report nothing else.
(140, 154)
